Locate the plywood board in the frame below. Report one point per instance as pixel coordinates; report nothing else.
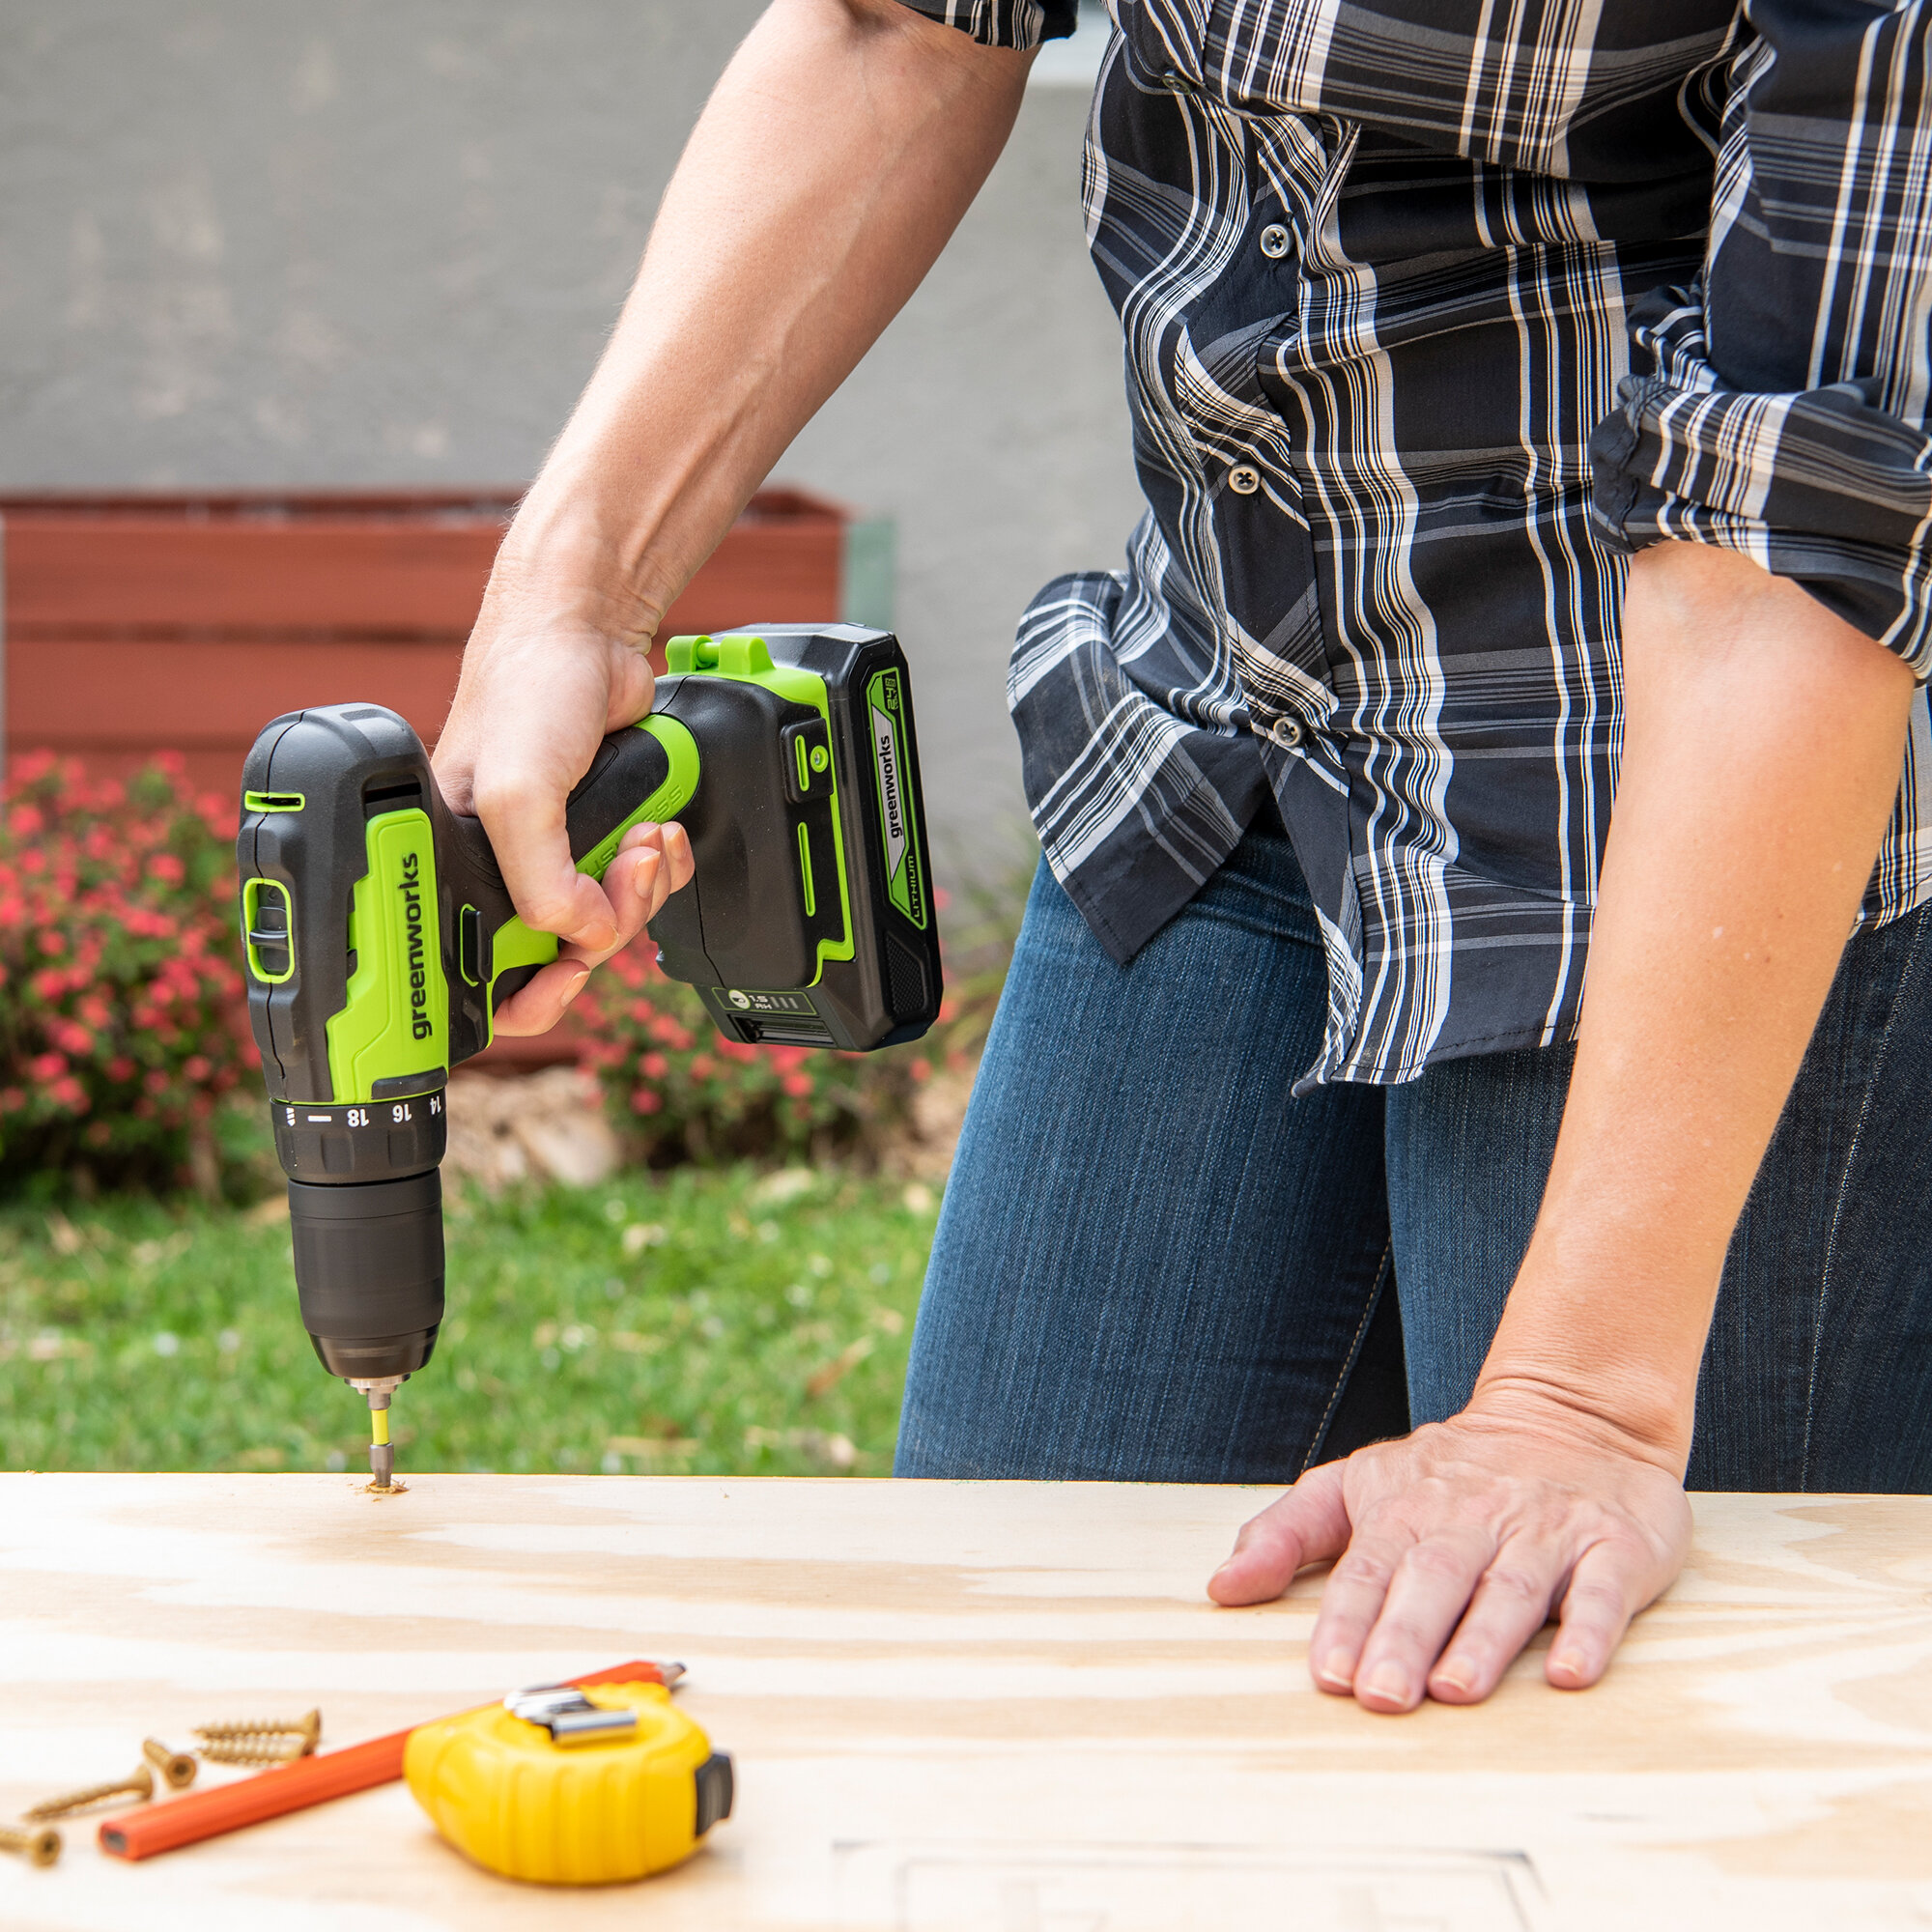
(972, 1708)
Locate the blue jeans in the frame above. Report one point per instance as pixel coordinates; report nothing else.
(1152, 1264)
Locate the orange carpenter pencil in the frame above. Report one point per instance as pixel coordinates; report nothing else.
(290, 1787)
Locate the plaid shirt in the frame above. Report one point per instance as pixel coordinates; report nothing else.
(1423, 336)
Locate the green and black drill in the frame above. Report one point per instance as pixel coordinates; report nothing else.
(380, 937)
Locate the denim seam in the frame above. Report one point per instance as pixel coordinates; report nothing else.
(1354, 1350)
(1844, 1192)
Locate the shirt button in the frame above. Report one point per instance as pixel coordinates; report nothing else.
(1244, 479)
(1287, 732)
(1274, 242)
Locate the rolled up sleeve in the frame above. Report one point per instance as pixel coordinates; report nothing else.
(1777, 405)
(1003, 23)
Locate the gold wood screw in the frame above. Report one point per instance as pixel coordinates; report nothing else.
(177, 1768)
(253, 1750)
(305, 1731)
(37, 1848)
(140, 1783)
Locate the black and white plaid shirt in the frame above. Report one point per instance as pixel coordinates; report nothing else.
(1434, 310)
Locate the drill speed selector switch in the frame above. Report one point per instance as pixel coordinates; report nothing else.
(380, 938)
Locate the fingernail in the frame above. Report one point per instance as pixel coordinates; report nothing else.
(1388, 1685)
(576, 988)
(1454, 1676)
(1570, 1664)
(1334, 1672)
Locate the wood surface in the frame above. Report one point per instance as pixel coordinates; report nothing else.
(970, 1708)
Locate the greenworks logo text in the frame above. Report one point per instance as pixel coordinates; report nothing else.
(410, 887)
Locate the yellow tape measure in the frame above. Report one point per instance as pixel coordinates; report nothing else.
(564, 1786)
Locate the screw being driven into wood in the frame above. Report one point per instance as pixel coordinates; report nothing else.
(37, 1848)
(140, 1783)
(177, 1768)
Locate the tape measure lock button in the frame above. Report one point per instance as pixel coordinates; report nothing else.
(561, 1786)
(569, 1716)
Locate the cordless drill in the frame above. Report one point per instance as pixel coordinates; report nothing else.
(380, 937)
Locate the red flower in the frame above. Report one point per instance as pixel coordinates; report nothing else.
(645, 1100)
(797, 1085)
(655, 1064)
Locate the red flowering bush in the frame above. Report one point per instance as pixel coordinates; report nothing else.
(123, 1010)
(124, 1019)
(685, 1093)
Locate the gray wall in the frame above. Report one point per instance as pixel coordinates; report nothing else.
(380, 242)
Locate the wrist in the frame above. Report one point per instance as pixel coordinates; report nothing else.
(1631, 1406)
(1525, 1397)
(563, 565)
(1611, 1306)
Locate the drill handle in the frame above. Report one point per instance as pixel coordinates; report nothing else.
(645, 772)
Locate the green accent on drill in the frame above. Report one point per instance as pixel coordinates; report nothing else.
(805, 870)
(898, 824)
(804, 769)
(515, 944)
(252, 891)
(272, 800)
(395, 1019)
(748, 657)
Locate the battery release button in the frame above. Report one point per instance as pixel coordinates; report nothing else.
(805, 752)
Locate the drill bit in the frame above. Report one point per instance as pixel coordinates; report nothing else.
(382, 1452)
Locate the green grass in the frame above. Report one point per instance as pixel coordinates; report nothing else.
(696, 1322)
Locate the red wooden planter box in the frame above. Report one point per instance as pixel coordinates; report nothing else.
(137, 623)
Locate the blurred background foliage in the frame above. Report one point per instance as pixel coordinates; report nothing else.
(738, 1298)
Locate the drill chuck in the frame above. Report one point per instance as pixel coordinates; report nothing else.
(369, 1272)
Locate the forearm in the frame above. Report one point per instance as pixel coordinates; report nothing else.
(1762, 747)
(832, 163)
(829, 168)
